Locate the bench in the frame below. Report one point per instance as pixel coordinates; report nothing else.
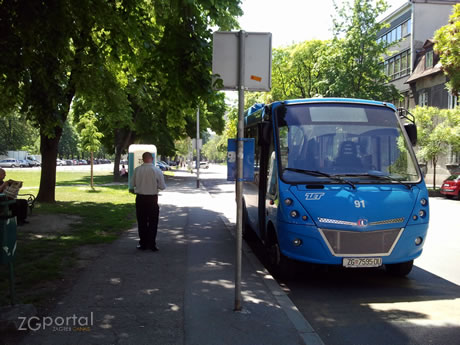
(30, 201)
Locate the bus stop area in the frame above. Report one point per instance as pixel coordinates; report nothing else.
(183, 294)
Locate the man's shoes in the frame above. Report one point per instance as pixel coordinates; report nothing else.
(154, 248)
(140, 247)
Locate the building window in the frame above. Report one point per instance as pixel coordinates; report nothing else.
(429, 59)
(398, 66)
(404, 64)
(404, 30)
(397, 33)
(453, 157)
(423, 98)
(453, 101)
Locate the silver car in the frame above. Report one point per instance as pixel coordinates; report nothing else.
(9, 163)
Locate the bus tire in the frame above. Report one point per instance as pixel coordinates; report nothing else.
(279, 264)
(400, 270)
(248, 233)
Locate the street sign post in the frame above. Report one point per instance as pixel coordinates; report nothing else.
(241, 61)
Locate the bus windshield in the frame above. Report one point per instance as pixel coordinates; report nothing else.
(360, 143)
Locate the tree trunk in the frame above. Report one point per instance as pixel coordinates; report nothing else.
(123, 138)
(92, 182)
(48, 150)
(434, 161)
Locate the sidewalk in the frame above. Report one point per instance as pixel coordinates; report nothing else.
(183, 294)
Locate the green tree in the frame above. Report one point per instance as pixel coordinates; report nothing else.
(453, 123)
(213, 150)
(16, 133)
(54, 51)
(352, 64)
(447, 46)
(89, 137)
(434, 134)
(297, 71)
(68, 145)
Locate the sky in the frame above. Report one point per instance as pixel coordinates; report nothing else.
(293, 21)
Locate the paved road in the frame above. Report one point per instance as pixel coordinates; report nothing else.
(370, 307)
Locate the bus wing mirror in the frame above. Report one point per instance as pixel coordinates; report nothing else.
(410, 127)
(264, 133)
(411, 130)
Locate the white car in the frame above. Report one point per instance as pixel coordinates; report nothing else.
(9, 163)
(203, 165)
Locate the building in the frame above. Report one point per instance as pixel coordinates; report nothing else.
(413, 66)
(410, 26)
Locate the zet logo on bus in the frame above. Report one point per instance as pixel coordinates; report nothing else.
(362, 222)
(313, 196)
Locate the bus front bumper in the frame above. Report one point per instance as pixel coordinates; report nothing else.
(305, 243)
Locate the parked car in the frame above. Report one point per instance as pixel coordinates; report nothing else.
(33, 162)
(9, 163)
(168, 167)
(23, 163)
(203, 165)
(60, 162)
(161, 166)
(451, 186)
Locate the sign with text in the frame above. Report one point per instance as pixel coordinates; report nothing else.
(248, 159)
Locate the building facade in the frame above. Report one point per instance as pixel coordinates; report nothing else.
(414, 68)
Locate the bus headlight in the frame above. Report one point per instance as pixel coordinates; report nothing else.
(294, 214)
(418, 241)
(422, 213)
(424, 202)
(297, 242)
(288, 201)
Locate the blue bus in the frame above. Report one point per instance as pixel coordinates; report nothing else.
(336, 183)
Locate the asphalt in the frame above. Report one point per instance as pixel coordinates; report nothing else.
(183, 294)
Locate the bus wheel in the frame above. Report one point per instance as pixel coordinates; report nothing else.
(279, 264)
(248, 233)
(401, 270)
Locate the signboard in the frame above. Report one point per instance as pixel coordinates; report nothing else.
(257, 60)
(200, 144)
(248, 160)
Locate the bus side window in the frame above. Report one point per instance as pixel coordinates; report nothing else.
(273, 177)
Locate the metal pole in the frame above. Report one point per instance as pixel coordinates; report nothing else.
(239, 179)
(198, 147)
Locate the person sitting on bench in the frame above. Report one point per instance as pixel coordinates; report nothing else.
(19, 208)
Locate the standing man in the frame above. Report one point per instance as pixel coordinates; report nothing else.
(147, 180)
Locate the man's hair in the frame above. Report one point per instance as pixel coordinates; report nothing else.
(147, 156)
(2, 171)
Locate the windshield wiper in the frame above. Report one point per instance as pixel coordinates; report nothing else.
(384, 177)
(320, 173)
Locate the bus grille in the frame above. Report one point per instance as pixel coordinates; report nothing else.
(370, 243)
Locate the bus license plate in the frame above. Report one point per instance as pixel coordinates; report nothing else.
(362, 262)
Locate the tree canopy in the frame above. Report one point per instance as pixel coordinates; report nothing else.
(138, 64)
(447, 46)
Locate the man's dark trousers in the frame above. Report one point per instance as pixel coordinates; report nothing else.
(147, 213)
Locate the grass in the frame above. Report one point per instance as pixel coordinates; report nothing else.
(43, 259)
(31, 178)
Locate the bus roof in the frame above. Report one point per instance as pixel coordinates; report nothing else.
(255, 113)
(339, 100)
